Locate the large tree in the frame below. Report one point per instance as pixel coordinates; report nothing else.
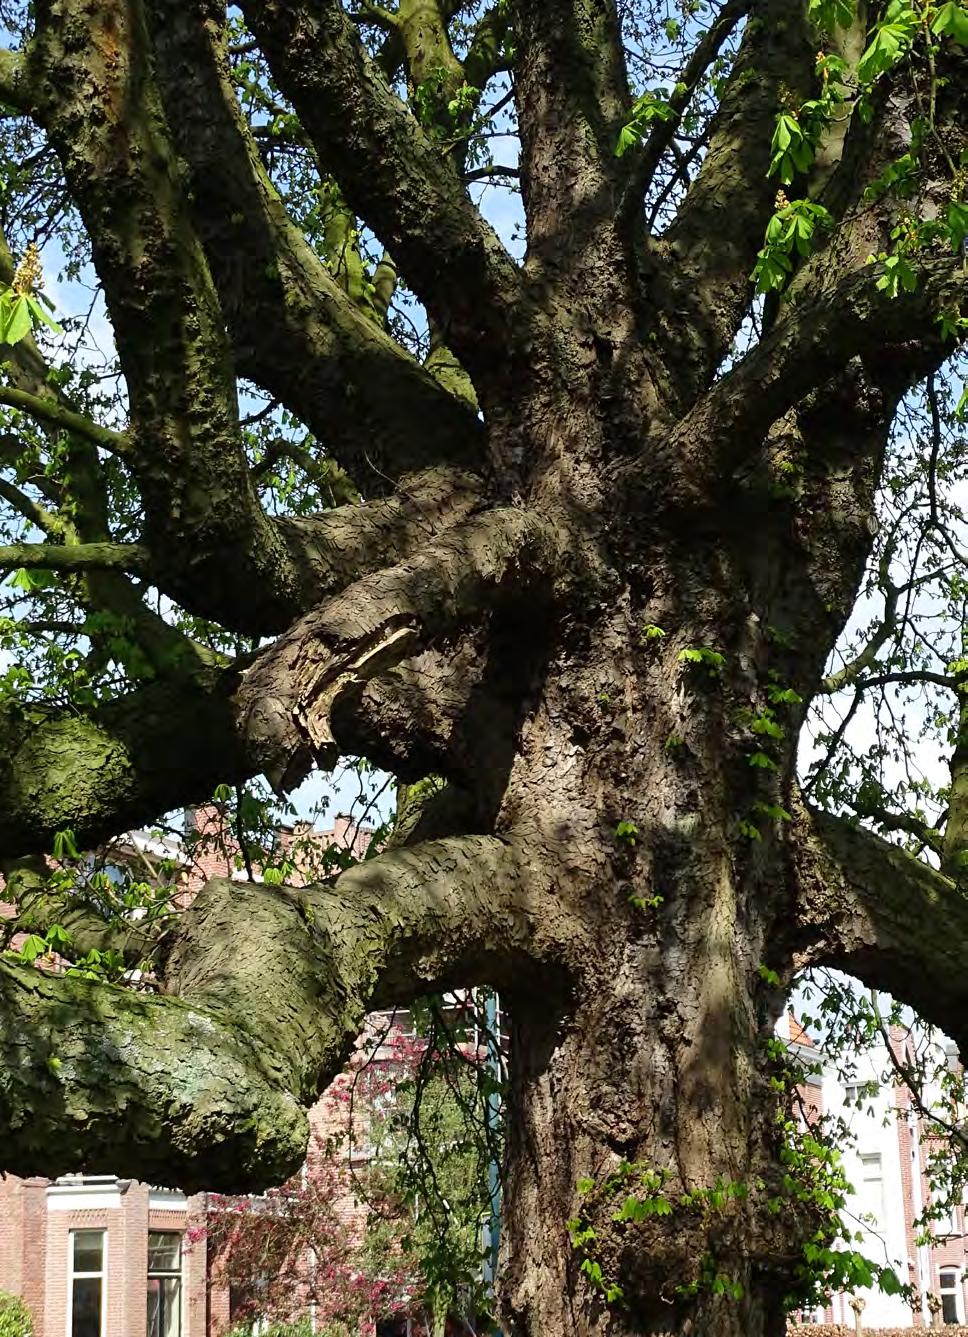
(576, 533)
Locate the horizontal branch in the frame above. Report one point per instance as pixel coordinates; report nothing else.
(55, 414)
(901, 677)
(869, 908)
(68, 557)
(125, 762)
(265, 991)
(339, 546)
(117, 767)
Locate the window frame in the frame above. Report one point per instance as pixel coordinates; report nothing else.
(954, 1291)
(871, 1160)
(169, 1274)
(73, 1275)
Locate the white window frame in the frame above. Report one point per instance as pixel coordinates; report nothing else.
(870, 1160)
(955, 1290)
(73, 1276)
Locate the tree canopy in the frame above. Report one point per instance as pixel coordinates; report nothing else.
(558, 405)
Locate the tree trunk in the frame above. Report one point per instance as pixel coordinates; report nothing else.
(647, 1081)
(615, 1113)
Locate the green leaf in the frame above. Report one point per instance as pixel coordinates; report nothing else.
(64, 846)
(626, 831)
(832, 14)
(761, 761)
(32, 947)
(890, 42)
(628, 137)
(957, 223)
(17, 323)
(41, 316)
(952, 21)
(767, 726)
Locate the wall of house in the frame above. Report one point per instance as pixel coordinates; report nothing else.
(36, 1221)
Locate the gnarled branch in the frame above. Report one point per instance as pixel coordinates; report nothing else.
(867, 907)
(395, 177)
(288, 696)
(266, 989)
(294, 330)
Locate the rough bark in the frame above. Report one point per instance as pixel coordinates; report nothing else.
(584, 635)
(295, 332)
(265, 990)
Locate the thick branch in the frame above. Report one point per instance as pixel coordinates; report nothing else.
(955, 851)
(288, 697)
(897, 339)
(76, 557)
(452, 710)
(867, 907)
(702, 265)
(14, 88)
(295, 331)
(573, 96)
(395, 177)
(122, 764)
(340, 545)
(266, 991)
(214, 549)
(116, 768)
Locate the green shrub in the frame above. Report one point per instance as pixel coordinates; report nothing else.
(15, 1319)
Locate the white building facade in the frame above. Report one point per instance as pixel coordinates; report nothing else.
(886, 1161)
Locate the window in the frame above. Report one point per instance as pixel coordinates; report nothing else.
(871, 1187)
(856, 1093)
(950, 1295)
(164, 1284)
(87, 1283)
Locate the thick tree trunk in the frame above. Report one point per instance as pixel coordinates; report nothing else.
(646, 1080)
(623, 1092)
